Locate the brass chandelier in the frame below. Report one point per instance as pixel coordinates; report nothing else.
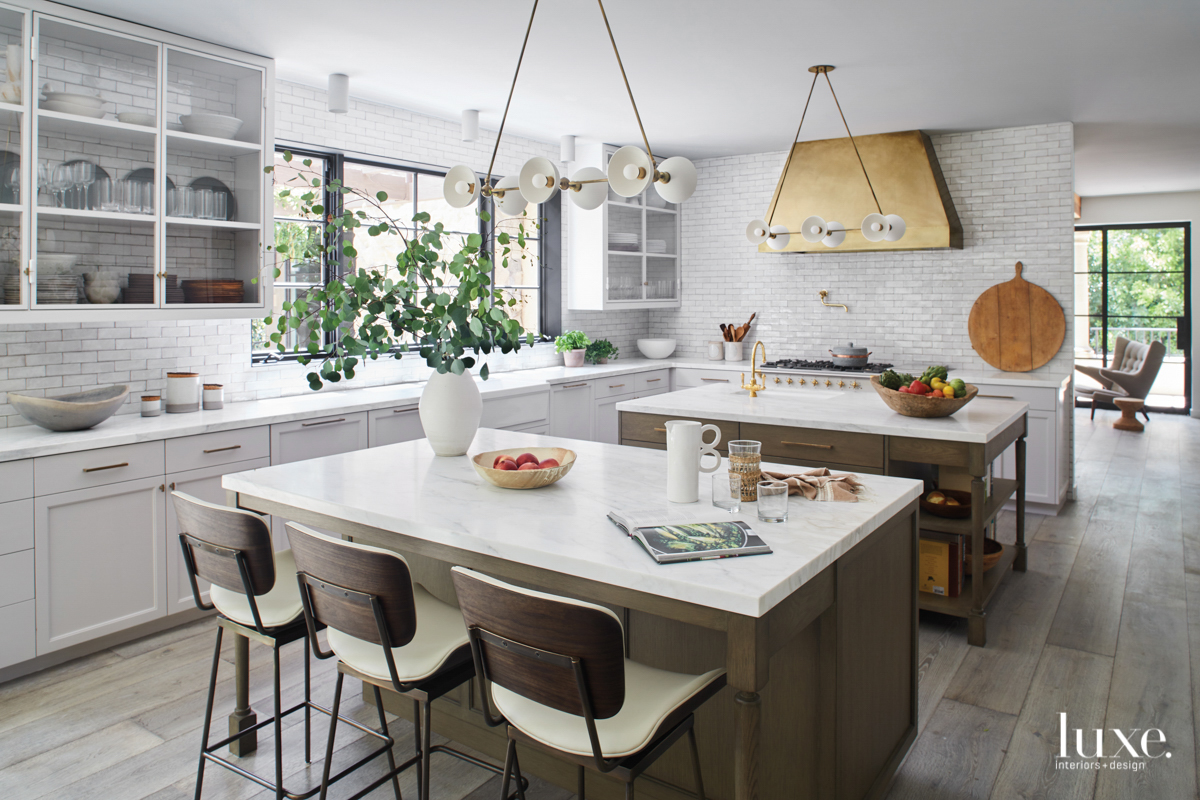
(875, 227)
(630, 170)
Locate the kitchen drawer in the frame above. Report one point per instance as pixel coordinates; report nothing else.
(16, 577)
(17, 640)
(16, 480)
(214, 449)
(689, 378)
(321, 436)
(652, 428)
(617, 384)
(517, 409)
(88, 468)
(393, 425)
(1039, 398)
(16, 528)
(810, 444)
(650, 381)
(540, 428)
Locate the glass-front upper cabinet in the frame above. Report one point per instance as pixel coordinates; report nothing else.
(14, 283)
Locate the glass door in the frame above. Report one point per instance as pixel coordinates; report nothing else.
(1133, 282)
(14, 80)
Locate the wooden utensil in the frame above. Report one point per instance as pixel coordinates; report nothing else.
(724, 332)
(1017, 326)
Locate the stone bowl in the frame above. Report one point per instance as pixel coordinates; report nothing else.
(70, 412)
(916, 405)
(528, 478)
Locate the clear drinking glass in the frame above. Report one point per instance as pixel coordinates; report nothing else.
(60, 182)
(727, 491)
(772, 501)
(106, 195)
(204, 203)
(745, 459)
(220, 206)
(185, 199)
(83, 174)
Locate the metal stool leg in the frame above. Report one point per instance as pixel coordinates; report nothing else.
(384, 727)
(333, 719)
(580, 784)
(509, 756)
(426, 752)
(307, 703)
(696, 762)
(212, 690)
(517, 774)
(417, 747)
(279, 790)
(629, 791)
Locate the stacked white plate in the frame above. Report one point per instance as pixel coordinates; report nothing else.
(56, 264)
(84, 105)
(58, 289)
(618, 240)
(136, 118)
(218, 125)
(656, 245)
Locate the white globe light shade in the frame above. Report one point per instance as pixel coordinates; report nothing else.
(461, 187)
(896, 231)
(836, 235)
(539, 180)
(625, 162)
(511, 202)
(590, 195)
(682, 182)
(782, 237)
(813, 229)
(874, 227)
(756, 231)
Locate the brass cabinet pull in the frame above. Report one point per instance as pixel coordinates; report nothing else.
(716, 380)
(110, 466)
(162, 487)
(998, 396)
(650, 380)
(172, 486)
(223, 449)
(615, 385)
(663, 430)
(402, 410)
(576, 385)
(322, 422)
(807, 444)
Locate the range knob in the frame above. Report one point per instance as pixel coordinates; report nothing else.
(802, 381)
(777, 380)
(854, 385)
(789, 381)
(841, 384)
(828, 382)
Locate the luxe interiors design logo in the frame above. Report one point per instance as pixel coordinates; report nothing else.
(1133, 752)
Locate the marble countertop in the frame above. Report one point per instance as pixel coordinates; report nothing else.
(857, 411)
(564, 528)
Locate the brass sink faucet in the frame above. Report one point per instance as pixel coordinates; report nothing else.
(755, 387)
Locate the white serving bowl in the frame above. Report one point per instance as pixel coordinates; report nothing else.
(55, 263)
(656, 348)
(63, 107)
(87, 100)
(217, 125)
(136, 118)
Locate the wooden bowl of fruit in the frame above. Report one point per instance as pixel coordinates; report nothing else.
(950, 503)
(532, 468)
(925, 405)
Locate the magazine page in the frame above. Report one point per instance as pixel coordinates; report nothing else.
(689, 536)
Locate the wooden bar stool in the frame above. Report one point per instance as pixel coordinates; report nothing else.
(256, 596)
(386, 631)
(555, 668)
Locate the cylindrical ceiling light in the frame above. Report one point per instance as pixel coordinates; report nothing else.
(566, 149)
(470, 125)
(875, 227)
(339, 93)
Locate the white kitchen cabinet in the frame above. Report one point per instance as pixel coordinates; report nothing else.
(320, 436)
(392, 425)
(17, 633)
(688, 378)
(100, 565)
(571, 410)
(516, 411)
(607, 418)
(205, 484)
(16, 526)
(1047, 443)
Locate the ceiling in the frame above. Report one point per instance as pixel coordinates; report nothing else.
(714, 77)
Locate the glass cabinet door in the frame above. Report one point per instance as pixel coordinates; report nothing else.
(96, 150)
(14, 283)
(214, 180)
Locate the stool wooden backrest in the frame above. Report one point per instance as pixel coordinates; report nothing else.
(559, 652)
(217, 540)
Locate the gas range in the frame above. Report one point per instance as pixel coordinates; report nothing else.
(801, 364)
(796, 373)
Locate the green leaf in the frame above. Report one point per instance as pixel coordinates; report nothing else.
(483, 372)
(287, 156)
(422, 216)
(381, 196)
(457, 366)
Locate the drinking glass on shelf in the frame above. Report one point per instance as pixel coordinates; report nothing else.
(772, 501)
(60, 181)
(83, 174)
(184, 202)
(12, 181)
(727, 491)
(106, 195)
(204, 203)
(220, 206)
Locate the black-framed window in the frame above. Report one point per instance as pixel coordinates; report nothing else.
(532, 281)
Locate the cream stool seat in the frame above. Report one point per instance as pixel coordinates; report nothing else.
(278, 607)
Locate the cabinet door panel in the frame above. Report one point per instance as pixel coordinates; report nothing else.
(516, 409)
(571, 410)
(16, 480)
(16, 577)
(607, 427)
(206, 485)
(1041, 467)
(392, 425)
(16, 528)
(17, 638)
(99, 562)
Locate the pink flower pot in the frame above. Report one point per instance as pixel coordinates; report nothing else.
(574, 358)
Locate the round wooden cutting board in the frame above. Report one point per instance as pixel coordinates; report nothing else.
(1017, 326)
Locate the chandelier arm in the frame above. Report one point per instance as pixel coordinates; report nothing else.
(511, 89)
(787, 164)
(611, 38)
(852, 142)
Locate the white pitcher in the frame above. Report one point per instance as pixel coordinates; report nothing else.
(685, 447)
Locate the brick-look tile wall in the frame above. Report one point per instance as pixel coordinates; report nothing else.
(1013, 192)
(59, 358)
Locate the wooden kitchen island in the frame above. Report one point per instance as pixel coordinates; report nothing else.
(818, 638)
(855, 431)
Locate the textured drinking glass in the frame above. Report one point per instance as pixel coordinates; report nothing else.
(185, 199)
(772, 501)
(220, 206)
(204, 203)
(727, 491)
(745, 458)
(106, 195)
(83, 174)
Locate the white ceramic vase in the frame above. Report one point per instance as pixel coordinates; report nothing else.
(450, 409)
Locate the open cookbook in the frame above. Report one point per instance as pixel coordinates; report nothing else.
(668, 542)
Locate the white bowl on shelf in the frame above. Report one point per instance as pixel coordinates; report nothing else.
(656, 348)
(64, 107)
(218, 125)
(136, 118)
(55, 263)
(88, 100)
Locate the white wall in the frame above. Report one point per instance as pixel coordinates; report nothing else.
(1120, 209)
(66, 357)
(1013, 192)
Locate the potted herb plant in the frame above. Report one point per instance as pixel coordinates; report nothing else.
(434, 296)
(600, 351)
(573, 346)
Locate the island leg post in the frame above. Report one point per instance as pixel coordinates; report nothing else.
(1019, 561)
(747, 663)
(977, 617)
(243, 716)
(748, 727)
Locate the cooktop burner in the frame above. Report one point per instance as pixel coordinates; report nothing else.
(824, 366)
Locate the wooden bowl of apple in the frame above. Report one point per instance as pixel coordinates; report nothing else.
(525, 469)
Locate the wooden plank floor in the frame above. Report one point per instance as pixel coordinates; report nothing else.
(1105, 626)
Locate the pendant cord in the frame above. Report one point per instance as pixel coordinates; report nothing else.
(787, 164)
(852, 142)
(645, 141)
(511, 89)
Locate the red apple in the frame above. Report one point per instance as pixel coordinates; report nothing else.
(548, 463)
(507, 465)
(499, 458)
(526, 458)
(528, 465)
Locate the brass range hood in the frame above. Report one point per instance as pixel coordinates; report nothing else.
(907, 178)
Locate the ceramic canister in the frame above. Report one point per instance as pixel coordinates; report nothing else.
(733, 351)
(151, 405)
(685, 447)
(214, 396)
(716, 351)
(183, 392)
